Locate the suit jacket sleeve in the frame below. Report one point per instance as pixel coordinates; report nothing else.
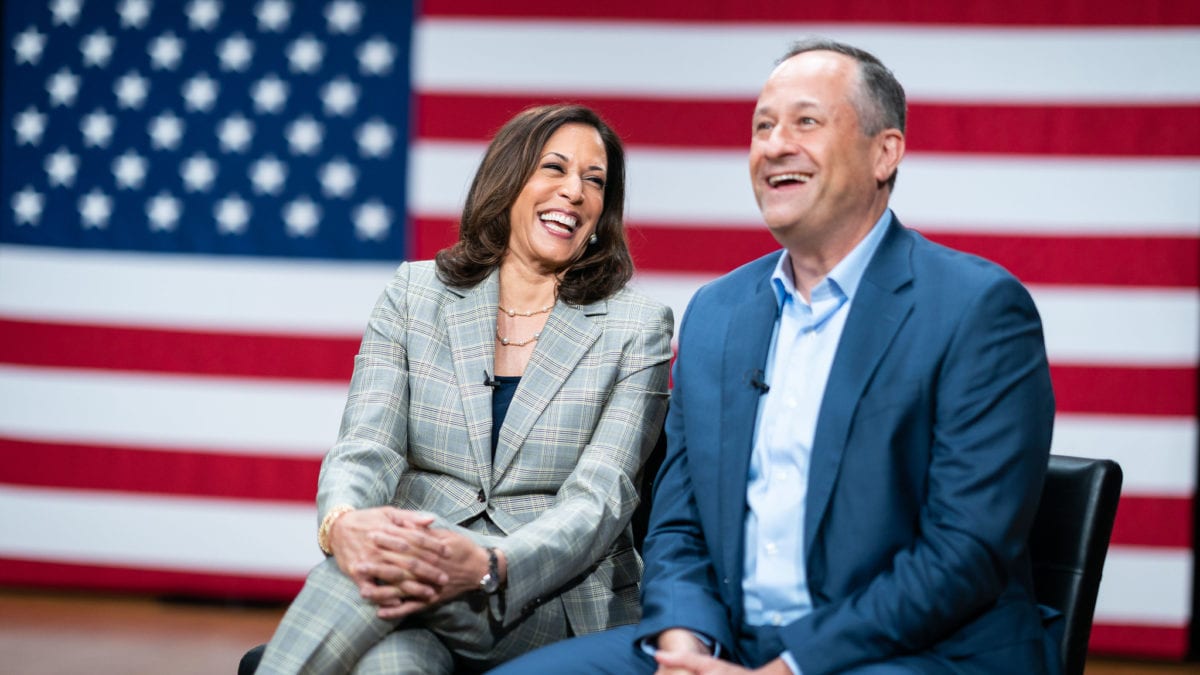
(597, 500)
(364, 465)
(993, 413)
(680, 588)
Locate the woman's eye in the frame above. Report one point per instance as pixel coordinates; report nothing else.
(596, 180)
(553, 167)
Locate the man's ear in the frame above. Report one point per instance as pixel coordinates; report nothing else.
(889, 145)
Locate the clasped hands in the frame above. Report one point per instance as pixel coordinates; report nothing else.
(400, 563)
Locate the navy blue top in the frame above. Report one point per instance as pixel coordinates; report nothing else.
(502, 395)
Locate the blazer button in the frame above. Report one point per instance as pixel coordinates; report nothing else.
(481, 498)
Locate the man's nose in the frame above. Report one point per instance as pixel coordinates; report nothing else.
(780, 143)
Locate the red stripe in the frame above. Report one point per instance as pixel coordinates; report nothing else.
(59, 576)
(1154, 521)
(172, 472)
(65, 345)
(1121, 390)
(1172, 262)
(1160, 642)
(979, 12)
(1088, 130)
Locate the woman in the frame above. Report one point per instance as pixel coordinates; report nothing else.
(452, 550)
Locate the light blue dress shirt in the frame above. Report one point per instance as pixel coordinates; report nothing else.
(775, 585)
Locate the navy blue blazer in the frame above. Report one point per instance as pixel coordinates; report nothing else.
(927, 464)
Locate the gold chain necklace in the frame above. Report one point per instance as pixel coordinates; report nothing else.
(505, 342)
(513, 312)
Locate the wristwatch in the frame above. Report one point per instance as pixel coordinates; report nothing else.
(490, 583)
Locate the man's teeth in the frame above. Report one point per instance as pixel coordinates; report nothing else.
(560, 218)
(788, 178)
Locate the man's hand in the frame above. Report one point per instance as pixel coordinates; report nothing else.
(703, 664)
(392, 556)
(679, 642)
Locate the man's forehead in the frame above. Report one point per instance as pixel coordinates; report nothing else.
(809, 80)
(817, 61)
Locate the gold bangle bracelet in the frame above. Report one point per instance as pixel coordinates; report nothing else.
(327, 525)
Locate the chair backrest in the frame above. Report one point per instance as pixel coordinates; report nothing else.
(641, 517)
(1069, 543)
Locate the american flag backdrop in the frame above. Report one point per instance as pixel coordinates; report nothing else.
(200, 201)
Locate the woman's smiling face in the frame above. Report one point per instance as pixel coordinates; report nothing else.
(557, 210)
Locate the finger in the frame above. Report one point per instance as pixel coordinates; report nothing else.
(419, 570)
(408, 589)
(402, 610)
(418, 591)
(405, 518)
(683, 660)
(381, 595)
(384, 573)
(412, 542)
(384, 586)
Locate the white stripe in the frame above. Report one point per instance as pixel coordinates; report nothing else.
(1120, 325)
(1147, 586)
(189, 291)
(935, 192)
(1157, 455)
(1098, 326)
(952, 63)
(235, 415)
(172, 533)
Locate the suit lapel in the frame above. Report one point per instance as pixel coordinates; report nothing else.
(878, 311)
(569, 333)
(470, 325)
(746, 344)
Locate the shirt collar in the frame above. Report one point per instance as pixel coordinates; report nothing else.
(844, 277)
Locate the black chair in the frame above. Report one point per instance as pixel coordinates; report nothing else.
(1069, 542)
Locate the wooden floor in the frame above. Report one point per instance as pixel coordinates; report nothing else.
(69, 633)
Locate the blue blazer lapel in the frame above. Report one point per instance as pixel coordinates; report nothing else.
(470, 327)
(747, 342)
(879, 309)
(569, 333)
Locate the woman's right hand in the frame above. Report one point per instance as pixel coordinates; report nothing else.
(391, 556)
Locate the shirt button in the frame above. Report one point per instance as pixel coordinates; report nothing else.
(791, 403)
(772, 549)
(481, 498)
(776, 619)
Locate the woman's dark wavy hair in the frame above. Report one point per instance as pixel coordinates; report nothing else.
(511, 158)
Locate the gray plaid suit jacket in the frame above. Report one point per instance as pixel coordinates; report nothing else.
(563, 484)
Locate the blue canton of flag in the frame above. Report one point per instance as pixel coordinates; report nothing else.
(274, 127)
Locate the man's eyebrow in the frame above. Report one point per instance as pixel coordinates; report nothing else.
(792, 106)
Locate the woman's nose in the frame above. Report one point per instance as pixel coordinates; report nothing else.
(571, 188)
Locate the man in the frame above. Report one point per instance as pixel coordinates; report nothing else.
(858, 432)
